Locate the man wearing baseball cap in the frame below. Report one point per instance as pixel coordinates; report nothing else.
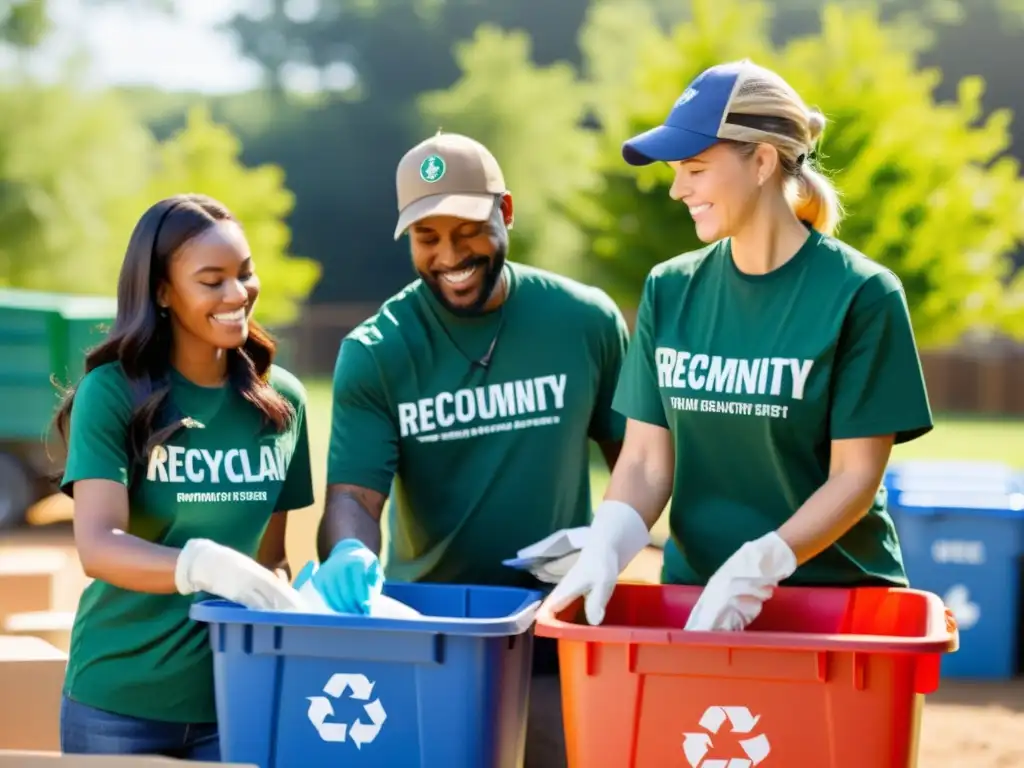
(470, 398)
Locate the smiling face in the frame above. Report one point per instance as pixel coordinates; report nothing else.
(211, 288)
(461, 261)
(721, 186)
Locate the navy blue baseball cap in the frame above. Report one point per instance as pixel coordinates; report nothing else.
(696, 121)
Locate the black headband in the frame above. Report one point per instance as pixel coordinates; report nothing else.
(767, 123)
(781, 126)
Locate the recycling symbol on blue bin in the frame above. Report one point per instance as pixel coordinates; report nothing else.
(360, 732)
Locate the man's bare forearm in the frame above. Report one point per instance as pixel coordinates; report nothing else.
(351, 512)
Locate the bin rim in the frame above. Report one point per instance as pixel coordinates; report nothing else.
(963, 467)
(221, 611)
(941, 633)
(1004, 504)
(72, 306)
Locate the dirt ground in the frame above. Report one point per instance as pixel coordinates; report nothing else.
(964, 725)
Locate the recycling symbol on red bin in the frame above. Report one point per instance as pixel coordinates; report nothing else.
(697, 745)
(320, 709)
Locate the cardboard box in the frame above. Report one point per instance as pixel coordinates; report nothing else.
(31, 679)
(52, 626)
(36, 579)
(15, 759)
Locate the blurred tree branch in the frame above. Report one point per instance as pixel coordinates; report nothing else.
(930, 188)
(24, 23)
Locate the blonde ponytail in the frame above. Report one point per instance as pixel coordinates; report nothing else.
(815, 200)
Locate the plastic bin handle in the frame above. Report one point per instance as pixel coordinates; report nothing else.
(940, 635)
(522, 620)
(225, 612)
(528, 615)
(512, 624)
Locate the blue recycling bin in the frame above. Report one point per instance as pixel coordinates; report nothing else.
(961, 529)
(449, 691)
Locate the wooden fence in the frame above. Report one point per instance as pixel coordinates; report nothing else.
(980, 378)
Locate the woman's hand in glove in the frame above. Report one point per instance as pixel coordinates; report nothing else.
(617, 535)
(206, 566)
(736, 592)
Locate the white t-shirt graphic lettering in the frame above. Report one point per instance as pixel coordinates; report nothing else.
(457, 415)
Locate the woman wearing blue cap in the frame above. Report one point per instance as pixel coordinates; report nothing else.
(770, 374)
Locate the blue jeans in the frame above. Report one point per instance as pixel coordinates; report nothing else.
(85, 730)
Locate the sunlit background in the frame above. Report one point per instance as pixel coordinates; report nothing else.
(294, 113)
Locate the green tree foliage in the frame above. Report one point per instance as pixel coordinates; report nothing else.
(529, 117)
(68, 163)
(77, 170)
(24, 23)
(928, 187)
(342, 151)
(205, 157)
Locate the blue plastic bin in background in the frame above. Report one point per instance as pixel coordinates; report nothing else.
(303, 690)
(961, 528)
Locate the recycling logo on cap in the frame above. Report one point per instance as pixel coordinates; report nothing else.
(697, 745)
(432, 169)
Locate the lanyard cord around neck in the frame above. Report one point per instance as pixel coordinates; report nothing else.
(485, 361)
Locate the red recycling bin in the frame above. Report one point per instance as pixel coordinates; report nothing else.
(824, 678)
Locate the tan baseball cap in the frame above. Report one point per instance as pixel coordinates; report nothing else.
(447, 175)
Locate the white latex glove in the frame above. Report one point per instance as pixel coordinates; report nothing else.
(736, 592)
(206, 566)
(553, 571)
(617, 535)
(551, 558)
(558, 544)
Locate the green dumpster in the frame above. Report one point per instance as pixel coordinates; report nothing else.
(42, 335)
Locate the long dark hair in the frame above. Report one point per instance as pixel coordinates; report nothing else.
(140, 338)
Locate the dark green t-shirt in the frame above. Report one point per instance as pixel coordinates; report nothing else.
(755, 375)
(140, 654)
(483, 459)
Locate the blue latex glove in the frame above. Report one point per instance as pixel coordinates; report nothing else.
(347, 580)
